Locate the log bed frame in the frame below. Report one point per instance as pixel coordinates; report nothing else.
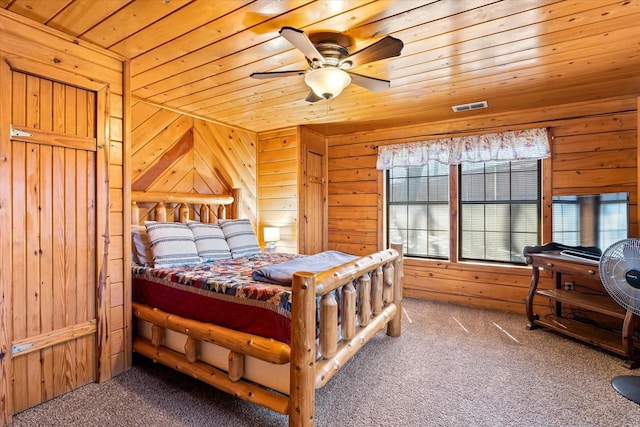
(377, 295)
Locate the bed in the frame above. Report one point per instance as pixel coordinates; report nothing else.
(306, 330)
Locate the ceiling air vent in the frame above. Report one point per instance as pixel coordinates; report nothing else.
(471, 106)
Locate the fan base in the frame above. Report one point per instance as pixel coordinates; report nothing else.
(628, 386)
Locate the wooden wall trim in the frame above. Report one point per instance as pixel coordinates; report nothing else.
(6, 290)
(488, 123)
(151, 174)
(40, 29)
(192, 115)
(27, 65)
(103, 295)
(126, 217)
(546, 205)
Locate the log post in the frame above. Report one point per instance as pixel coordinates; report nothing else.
(191, 349)
(160, 212)
(364, 299)
(135, 213)
(376, 290)
(387, 283)
(235, 206)
(222, 212)
(157, 335)
(394, 327)
(183, 213)
(303, 351)
(204, 213)
(236, 366)
(348, 323)
(328, 325)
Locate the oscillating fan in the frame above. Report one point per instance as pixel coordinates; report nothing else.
(620, 275)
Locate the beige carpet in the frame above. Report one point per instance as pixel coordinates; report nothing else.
(452, 366)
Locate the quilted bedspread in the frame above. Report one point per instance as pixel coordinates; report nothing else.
(221, 292)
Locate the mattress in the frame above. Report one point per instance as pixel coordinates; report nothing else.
(221, 292)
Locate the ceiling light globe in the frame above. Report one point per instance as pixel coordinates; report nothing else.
(327, 82)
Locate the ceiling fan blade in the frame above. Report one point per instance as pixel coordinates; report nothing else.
(387, 47)
(300, 40)
(312, 97)
(272, 74)
(371, 83)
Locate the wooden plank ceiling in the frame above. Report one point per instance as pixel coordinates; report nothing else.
(195, 56)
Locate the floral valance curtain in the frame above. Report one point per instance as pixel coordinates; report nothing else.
(509, 145)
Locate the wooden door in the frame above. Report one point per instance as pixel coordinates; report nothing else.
(53, 301)
(314, 215)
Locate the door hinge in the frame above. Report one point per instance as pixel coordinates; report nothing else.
(15, 349)
(18, 132)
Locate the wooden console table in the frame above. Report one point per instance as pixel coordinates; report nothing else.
(621, 344)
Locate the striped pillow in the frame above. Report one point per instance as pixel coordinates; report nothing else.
(172, 244)
(210, 241)
(240, 237)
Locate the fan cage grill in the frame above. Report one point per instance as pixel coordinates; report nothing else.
(616, 261)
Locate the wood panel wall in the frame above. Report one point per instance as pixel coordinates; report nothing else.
(278, 165)
(355, 197)
(35, 49)
(594, 149)
(175, 152)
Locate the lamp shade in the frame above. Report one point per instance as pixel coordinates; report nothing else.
(271, 234)
(327, 82)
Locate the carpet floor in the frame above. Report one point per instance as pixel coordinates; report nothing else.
(452, 366)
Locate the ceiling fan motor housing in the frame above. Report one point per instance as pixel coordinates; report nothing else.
(332, 53)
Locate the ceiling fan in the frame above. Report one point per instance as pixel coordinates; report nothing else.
(329, 57)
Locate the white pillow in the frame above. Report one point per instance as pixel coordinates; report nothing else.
(142, 244)
(240, 237)
(210, 241)
(172, 244)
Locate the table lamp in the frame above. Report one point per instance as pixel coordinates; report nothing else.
(271, 236)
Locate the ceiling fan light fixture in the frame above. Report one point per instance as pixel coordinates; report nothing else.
(327, 82)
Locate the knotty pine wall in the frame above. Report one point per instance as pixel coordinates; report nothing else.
(355, 197)
(594, 149)
(175, 152)
(278, 161)
(35, 49)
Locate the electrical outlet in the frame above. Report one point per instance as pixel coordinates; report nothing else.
(568, 286)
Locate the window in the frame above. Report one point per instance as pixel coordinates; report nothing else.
(418, 209)
(497, 177)
(499, 206)
(499, 209)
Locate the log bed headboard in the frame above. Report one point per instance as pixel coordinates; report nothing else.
(206, 208)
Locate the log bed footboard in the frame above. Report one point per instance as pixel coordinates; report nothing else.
(229, 380)
(313, 358)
